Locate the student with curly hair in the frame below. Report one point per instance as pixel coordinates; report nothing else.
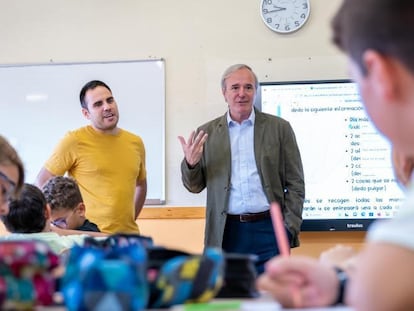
(65, 200)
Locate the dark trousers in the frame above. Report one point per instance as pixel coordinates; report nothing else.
(256, 237)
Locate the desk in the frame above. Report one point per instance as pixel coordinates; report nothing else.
(248, 305)
(264, 303)
(245, 307)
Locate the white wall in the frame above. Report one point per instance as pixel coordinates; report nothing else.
(197, 39)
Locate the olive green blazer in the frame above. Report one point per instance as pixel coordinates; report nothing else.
(278, 163)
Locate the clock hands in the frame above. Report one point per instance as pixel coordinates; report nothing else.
(277, 9)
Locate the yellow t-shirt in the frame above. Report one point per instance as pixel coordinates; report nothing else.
(106, 168)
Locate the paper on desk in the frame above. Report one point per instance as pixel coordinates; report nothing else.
(230, 305)
(260, 306)
(238, 305)
(266, 297)
(334, 308)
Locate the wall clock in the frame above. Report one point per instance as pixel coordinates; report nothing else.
(285, 16)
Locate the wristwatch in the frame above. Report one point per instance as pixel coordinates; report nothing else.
(343, 279)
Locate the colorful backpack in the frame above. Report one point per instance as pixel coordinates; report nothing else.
(26, 274)
(127, 272)
(105, 276)
(182, 278)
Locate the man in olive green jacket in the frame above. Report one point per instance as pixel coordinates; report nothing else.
(208, 164)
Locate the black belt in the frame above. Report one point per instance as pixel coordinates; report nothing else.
(250, 217)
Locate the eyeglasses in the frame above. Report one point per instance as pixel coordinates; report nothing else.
(7, 187)
(63, 221)
(60, 223)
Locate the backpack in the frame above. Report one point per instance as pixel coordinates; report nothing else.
(127, 272)
(26, 274)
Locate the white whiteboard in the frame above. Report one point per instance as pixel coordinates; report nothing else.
(40, 103)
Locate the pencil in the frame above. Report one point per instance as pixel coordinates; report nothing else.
(283, 244)
(279, 228)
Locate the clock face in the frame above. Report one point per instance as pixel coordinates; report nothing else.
(285, 16)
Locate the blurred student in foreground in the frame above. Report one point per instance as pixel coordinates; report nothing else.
(11, 174)
(65, 200)
(377, 37)
(344, 256)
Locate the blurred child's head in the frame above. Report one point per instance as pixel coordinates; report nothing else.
(65, 200)
(28, 212)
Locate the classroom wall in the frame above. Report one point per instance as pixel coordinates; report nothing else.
(197, 39)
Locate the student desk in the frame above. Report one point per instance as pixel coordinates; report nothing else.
(250, 307)
(259, 304)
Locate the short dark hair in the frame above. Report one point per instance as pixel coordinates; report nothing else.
(90, 86)
(27, 212)
(62, 193)
(386, 26)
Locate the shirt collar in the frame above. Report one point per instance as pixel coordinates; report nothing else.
(250, 119)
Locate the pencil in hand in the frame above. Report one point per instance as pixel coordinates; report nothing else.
(283, 244)
(279, 228)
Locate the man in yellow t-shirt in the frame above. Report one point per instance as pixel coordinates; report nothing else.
(107, 162)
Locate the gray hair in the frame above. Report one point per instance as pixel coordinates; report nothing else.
(234, 68)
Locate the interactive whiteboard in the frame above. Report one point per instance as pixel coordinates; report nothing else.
(349, 181)
(40, 103)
